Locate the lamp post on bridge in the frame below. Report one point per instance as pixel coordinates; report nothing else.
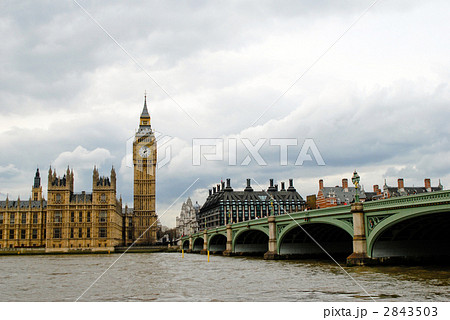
(355, 179)
(359, 255)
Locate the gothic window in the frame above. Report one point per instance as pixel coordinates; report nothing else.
(12, 217)
(71, 233)
(103, 197)
(57, 233)
(22, 234)
(88, 218)
(1, 234)
(72, 217)
(80, 217)
(57, 217)
(1, 218)
(80, 233)
(35, 218)
(88, 232)
(34, 234)
(11, 234)
(102, 232)
(58, 198)
(102, 216)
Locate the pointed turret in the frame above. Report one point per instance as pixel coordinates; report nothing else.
(36, 190)
(145, 115)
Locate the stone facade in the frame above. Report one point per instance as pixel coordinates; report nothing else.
(187, 221)
(67, 221)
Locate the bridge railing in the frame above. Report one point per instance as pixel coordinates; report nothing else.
(431, 198)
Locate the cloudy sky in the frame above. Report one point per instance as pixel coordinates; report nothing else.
(371, 89)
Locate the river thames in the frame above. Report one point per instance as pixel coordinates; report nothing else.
(169, 277)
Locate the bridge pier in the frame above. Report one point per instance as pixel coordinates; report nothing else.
(229, 248)
(190, 244)
(359, 256)
(205, 243)
(272, 253)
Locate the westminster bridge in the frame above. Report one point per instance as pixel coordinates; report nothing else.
(411, 227)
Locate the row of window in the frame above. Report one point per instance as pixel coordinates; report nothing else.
(23, 233)
(102, 217)
(102, 233)
(23, 218)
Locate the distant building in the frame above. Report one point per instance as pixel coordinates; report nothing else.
(342, 195)
(401, 190)
(224, 205)
(187, 223)
(338, 195)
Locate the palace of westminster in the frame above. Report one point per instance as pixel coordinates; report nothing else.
(69, 221)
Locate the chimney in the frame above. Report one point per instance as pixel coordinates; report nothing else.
(218, 187)
(320, 184)
(276, 187)
(428, 184)
(228, 188)
(401, 184)
(282, 187)
(291, 185)
(223, 185)
(214, 190)
(376, 189)
(345, 184)
(271, 186)
(210, 192)
(249, 187)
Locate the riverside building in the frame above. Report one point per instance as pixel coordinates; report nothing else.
(224, 205)
(72, 222)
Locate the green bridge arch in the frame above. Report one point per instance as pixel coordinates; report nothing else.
(399, 217)
(295, 224)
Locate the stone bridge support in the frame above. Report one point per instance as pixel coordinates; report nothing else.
(272, 253)
(190, 244)
(205, 242)
(359, 255)
(229, 249)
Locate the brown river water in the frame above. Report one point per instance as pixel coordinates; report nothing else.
(169, 277)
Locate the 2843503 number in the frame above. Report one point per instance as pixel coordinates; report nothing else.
(410, 311)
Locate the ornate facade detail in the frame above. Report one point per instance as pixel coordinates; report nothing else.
(374, 220)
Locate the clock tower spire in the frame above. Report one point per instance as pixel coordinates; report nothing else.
(144, 163)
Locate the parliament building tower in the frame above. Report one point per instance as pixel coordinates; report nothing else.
(144, 163)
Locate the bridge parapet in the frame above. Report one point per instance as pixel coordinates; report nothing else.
(437, 197)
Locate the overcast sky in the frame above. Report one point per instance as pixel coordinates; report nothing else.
(377, 101)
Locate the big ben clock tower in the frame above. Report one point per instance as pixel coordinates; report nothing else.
(144, 162)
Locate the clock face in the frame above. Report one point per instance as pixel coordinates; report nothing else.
(144, 152)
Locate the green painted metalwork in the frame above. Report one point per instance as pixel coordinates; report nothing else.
(379, 215)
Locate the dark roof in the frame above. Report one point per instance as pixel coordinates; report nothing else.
(81, 197)
(223, 196)
(145, 113)
(406, 191)
(342, 196)
(23, 204)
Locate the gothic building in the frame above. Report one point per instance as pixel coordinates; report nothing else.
(95, 221)
(187, 222)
